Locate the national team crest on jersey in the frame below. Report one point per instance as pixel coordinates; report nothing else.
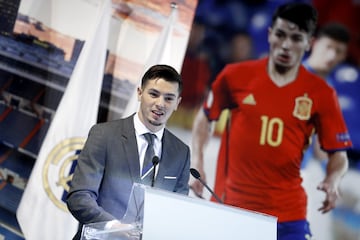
(302, 109)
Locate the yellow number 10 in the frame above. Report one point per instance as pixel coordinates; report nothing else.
(267, 131)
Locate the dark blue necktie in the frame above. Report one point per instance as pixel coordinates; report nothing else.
(148, 170)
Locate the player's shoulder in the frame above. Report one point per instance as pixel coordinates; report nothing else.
(315, 81)
(246, 65)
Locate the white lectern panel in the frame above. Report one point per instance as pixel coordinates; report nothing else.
(177, 217)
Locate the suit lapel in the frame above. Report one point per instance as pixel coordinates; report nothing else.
(130, 147)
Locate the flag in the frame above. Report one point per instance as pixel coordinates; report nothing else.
(160, 54)
(42, 212)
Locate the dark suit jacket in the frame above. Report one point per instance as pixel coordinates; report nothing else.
(109, 165)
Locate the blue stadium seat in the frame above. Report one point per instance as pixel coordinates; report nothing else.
(17, 162)
(35, 143)
(24, 88)
(16, 127)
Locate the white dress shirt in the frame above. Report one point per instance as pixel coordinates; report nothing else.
(142, 144)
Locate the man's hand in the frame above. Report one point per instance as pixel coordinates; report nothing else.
(331, 197)
(335, 170)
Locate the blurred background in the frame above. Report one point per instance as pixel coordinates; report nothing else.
(222, 31)
(231, 31)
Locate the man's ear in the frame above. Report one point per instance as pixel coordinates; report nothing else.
(310, 44)
(178, 102)
(139, 93)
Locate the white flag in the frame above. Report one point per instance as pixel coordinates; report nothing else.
(42, 212)
(160, 54)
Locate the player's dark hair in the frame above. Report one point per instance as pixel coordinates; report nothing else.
(302, 14)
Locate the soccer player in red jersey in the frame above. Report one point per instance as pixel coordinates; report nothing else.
(276, 105)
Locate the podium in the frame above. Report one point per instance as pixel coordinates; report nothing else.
(155, 214)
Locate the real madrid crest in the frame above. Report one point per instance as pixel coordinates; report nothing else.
(302, 109)
(58, 168)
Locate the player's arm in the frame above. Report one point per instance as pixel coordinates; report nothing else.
(201, 133)
(335, 170)
(319, 154)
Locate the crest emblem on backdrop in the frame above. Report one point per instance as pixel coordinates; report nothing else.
(58, 169)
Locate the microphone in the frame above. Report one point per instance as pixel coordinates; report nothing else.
(155, 162)
(195, 173)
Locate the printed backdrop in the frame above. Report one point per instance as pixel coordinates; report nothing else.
(65, 65)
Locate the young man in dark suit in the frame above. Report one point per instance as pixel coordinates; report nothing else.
(112, 158)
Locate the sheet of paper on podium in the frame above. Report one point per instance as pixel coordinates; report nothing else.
(178, 217)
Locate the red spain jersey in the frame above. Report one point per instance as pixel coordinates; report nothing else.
(270, 126)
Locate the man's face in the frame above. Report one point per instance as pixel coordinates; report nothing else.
(328, 53)
(158, 99)
(287, 44)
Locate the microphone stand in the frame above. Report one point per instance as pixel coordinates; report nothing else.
(195, 173)
(155, 161)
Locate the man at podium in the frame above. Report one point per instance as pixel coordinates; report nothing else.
(136, 149)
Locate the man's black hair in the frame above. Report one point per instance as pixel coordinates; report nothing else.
(302, 14)
(166, 72)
